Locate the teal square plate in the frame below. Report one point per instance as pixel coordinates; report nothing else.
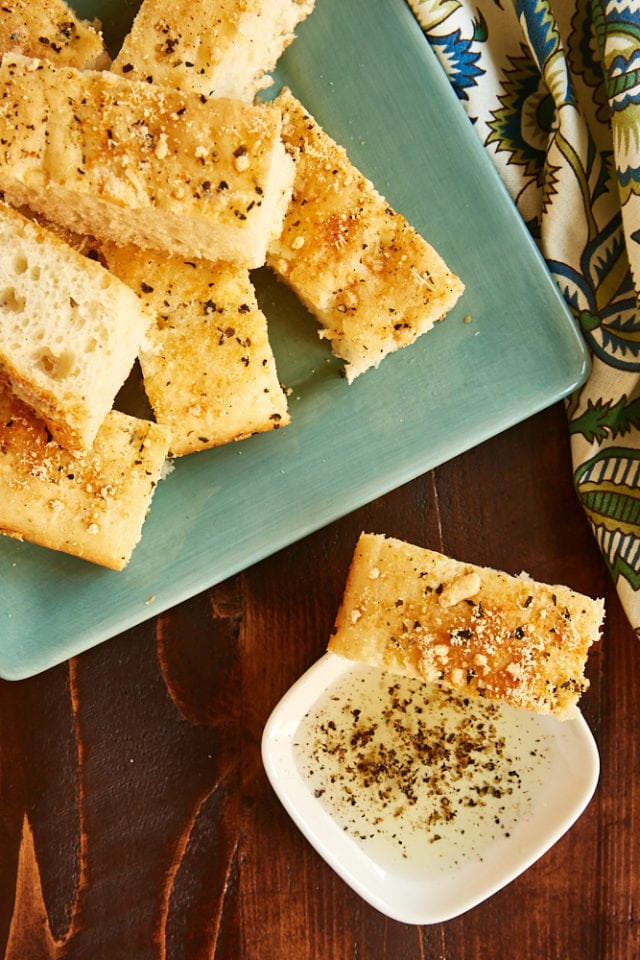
(509, 349)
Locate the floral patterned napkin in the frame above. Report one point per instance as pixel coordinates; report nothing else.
(552, 88)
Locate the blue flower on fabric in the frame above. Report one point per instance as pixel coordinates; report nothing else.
(458, 60)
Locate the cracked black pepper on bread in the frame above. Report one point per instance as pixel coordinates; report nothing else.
(415, 612)
(140, 163)
(207, 365)
(51, 29)
(371, 281)
(222, 48)
(91, 505)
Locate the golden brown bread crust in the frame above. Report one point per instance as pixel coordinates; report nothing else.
(208, 368)
(135, 162)
(415, 612)
(91, 506)
(372, 282)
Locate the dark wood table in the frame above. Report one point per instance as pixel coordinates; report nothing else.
(136, 820)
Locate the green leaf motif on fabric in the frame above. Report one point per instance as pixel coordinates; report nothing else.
(622, 82)
(615, 507)
(549, 187)
(605, 419)
(588, 321)
(480, 29)
(609, 491)
(624, 123)
(628, 176)
(621, 59)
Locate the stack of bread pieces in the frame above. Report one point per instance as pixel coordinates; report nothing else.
(137, 196)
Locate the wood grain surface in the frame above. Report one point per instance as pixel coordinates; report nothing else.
(136, 821)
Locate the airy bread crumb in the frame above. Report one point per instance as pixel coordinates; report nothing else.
(69, 330)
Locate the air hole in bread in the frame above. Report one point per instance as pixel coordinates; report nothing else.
(35, 274)
(20, 264)
(11, 301)
(59, 366)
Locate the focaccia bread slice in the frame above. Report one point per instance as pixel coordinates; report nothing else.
(138, 163)
(371, 281)
(479, 631)
(208, 368)
(70, 331)
(221, 48)
(52, 30)
(92, 506)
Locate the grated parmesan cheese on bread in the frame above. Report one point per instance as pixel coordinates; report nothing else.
(138, 163)
(479, 631)
(208, 369)
(371, 281)
(221, 48)
(70, 332)
(51, 29)
(92, 506)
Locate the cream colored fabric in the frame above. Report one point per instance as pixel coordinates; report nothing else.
(553, 90)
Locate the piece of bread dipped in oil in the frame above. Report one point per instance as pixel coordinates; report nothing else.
(480, 631)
